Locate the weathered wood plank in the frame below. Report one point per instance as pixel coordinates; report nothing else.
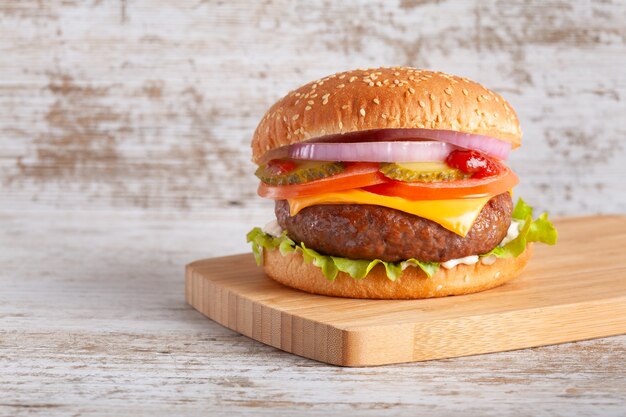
(151, 105)
(125, 127)
(93, 322)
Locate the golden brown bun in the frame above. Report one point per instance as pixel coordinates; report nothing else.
(385, 98)
(291, 270)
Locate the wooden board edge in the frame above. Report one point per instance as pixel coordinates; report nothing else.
(300, 336)
(481, 334)
(369, 345)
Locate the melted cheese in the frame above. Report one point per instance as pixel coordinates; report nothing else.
(457, 215)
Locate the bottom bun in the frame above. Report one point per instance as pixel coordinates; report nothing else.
(293, 271)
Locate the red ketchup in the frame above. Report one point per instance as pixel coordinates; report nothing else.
(280, 166)
(478, 164)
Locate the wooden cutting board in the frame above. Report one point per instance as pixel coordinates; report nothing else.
(572, 291)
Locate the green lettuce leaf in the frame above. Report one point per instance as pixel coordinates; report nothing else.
(539, 230)
(331, 265)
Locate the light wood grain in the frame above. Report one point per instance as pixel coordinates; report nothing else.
(560, 298)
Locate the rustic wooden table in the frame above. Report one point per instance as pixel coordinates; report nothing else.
(124, 131)
(93, 322)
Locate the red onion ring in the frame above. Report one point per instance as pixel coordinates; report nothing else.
(407, 151)
(487, 144)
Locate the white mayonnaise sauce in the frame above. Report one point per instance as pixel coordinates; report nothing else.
(511, 234)
(489, 260)
(468, 260)
(273, 228)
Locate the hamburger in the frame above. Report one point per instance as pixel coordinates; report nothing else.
(392, 183)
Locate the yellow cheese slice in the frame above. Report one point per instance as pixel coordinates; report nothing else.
(457, 215)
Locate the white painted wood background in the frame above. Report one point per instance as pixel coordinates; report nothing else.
(124, 132)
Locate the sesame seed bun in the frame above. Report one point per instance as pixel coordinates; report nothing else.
(385, 98)
(292, 271)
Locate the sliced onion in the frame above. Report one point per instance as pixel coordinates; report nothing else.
(407, 151)
(487, 144)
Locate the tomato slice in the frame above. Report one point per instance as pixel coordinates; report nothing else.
(469, 188)
(356, 175)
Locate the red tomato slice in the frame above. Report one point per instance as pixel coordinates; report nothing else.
(470, 188)
(356, 175)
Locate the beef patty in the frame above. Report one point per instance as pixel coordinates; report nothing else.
(361, 231)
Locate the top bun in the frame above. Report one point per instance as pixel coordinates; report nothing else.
(385, 98)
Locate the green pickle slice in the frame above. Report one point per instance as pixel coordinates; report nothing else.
(304, 171)
(421, 171)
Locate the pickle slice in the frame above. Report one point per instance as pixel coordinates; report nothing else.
(290, 172)
(421, 172)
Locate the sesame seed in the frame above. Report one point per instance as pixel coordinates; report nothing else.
(307, 108)
(313, 95)
(314, 86)
(295, 117)
(298, 94)
(466, 278)
(396, 81)
(378, 83)
(411, 90)
(411, 77)
(321, 82)
(341, 86)
(344, 107)
(285, 119)
(325, 96)
(396, 73)
(377, 101)
(422, 104)
(310, 101)
(485, 96)
(420, 125)
(497, 274)
(325, 101)
(352, 79)
(439, 287)
(342, 76)
(465, 92)
(340, 125)
(448, 91)
(371, 84)
(448, 105)
(384, 116)
(362, 112)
